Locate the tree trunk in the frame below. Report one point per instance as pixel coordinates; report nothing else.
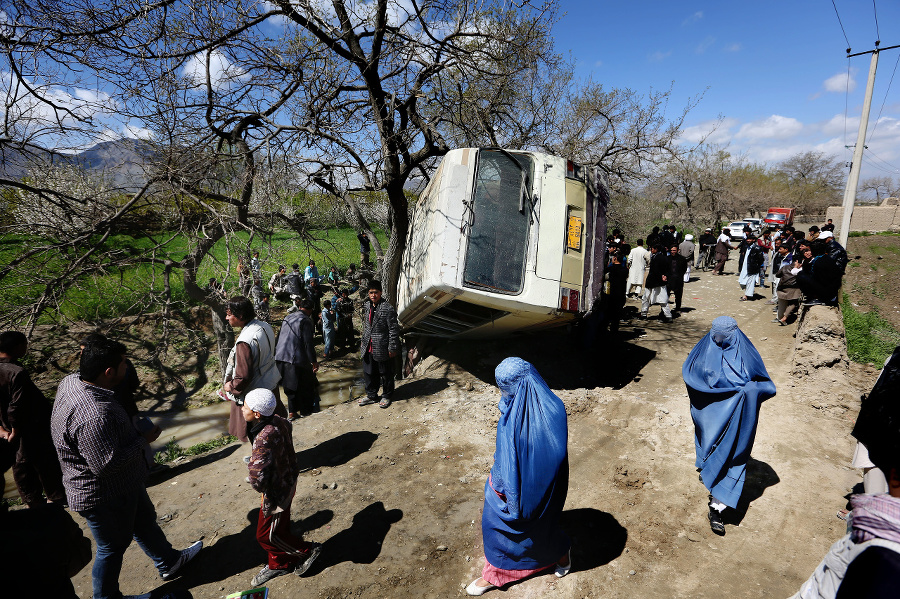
(393, 257)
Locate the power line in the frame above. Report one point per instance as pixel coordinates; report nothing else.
(879, 167)
(877, 32)
(885, 98)
(846, 100)
(841, 24)
(883, 161)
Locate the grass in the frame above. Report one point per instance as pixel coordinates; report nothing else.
(116, 292)
(173, 450)
(870, 338)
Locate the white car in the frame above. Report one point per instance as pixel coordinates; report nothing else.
(736, 229)
(756, 224)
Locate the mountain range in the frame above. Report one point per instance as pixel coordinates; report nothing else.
(121, 161)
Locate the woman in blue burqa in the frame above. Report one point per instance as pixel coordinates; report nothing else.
(726, 382)
(527, 485)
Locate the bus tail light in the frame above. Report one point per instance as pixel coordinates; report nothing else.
(568, 299)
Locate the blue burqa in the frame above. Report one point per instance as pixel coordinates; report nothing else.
(530, 472)
(727, 382)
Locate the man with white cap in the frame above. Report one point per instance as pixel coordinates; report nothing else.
(835, 250)
(686, 249)
(273, 472)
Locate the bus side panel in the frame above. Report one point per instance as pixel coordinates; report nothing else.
(456, 190)
(573, 256)
(552, 221)
(598, 202)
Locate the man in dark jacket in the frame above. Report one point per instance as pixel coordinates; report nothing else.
(615, 283)
(678, 265)
(655, 291)
(295, 358)
(379, 345)
(835, 250)
(25, 422)
(820, 278)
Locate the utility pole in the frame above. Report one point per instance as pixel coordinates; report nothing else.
(853, 179)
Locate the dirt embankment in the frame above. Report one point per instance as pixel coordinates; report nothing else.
(395, 495)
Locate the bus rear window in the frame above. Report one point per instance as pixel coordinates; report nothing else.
(498, 236)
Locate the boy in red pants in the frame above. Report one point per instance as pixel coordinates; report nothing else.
(273, 472)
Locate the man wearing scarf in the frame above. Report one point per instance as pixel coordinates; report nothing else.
(866, 562)
(726, 382)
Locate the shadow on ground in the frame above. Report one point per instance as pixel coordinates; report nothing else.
(336, 451)
(597, 537)
(760, 476)
(171, 471)
(362, 542)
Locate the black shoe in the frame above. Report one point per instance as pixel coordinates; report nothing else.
(715, 522)
(813, 302)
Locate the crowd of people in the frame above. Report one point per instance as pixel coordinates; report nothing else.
(798, 268)
(90, 452)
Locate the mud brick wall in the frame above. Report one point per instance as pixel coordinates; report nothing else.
(868, 218)
(820, 365)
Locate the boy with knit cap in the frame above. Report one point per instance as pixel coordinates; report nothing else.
(273, 472)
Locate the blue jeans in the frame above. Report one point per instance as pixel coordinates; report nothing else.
(113, 524)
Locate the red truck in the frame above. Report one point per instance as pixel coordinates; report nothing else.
(779, 217)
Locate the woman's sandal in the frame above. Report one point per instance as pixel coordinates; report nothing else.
(475, 590)
(561, 571)
(384, 403)
(366, 401)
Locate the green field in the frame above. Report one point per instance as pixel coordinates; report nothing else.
(113, 292)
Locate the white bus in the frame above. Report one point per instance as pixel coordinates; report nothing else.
(502, 241)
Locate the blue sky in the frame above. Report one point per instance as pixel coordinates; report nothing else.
(776, 72)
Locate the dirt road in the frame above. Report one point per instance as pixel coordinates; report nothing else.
(395, 495)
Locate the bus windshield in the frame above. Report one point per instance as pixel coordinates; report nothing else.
(498, 235)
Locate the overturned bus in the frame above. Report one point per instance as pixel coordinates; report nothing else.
(501, 242)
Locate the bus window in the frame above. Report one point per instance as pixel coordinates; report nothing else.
(498, 236)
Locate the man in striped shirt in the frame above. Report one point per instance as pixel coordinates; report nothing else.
(104, 469)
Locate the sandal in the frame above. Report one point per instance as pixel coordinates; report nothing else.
(366, 401)
(743, 298)
(384, 403)
(843, 514)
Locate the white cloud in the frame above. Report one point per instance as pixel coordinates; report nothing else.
(135, 132)
(735, 47)
(839, 124)
(841, 82)
(222, 72)
(693, 18)
(714, 132)
(705, 44)
(774, 127)
(659, 56)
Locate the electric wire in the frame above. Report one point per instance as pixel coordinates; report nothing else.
(841, 24)
(875, 10)
(846, 103)
(883, 161)
(879, 168)
(894, 72)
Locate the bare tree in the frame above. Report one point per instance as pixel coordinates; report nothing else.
(880, 188)
(815, 181)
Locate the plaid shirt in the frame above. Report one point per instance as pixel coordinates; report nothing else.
(101, 454)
